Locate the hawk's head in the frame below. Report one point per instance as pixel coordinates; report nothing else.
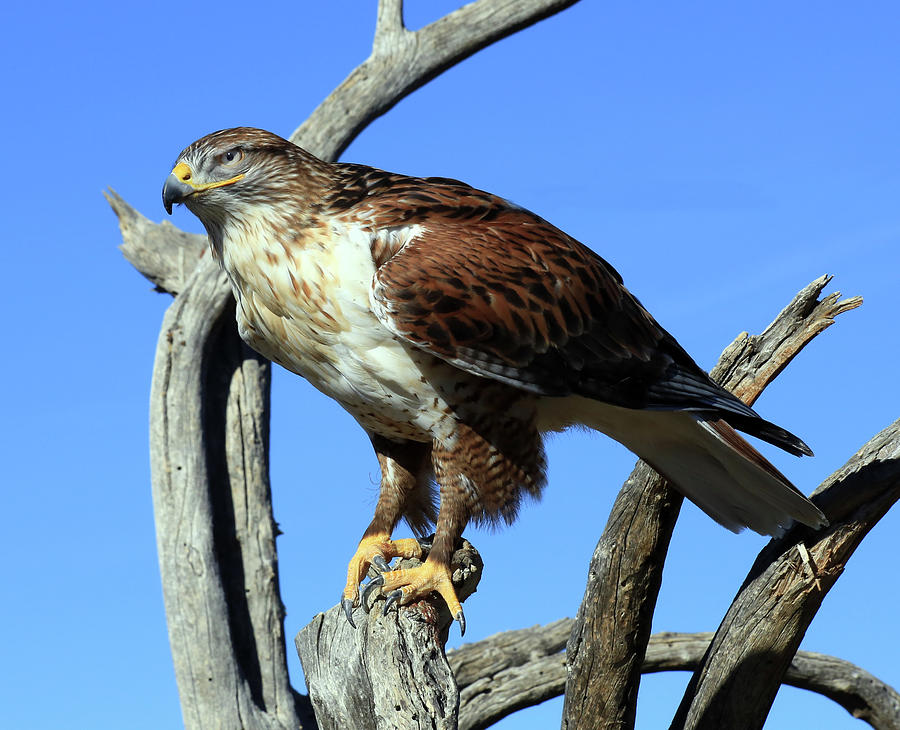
(226, 171)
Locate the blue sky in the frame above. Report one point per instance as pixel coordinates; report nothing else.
(720, 156)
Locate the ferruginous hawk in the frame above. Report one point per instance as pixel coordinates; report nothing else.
(457, 328)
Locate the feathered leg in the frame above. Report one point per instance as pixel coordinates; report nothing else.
(483, 471)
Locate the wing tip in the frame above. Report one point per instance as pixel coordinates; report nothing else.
(768, 432)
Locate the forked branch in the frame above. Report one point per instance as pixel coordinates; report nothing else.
(782, 593)
(612, 627)
(402, 60)
(507, 672)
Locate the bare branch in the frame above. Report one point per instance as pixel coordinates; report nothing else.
(402, 61)
(388, 26)
(751, 362)
(783, 591)
(386, 676)
(490, 656)
(517, 669)
(391, 672)
(861, 694)
(207, 450)
(613, 623)
(612, 627)
(160, 251)
(509, 671)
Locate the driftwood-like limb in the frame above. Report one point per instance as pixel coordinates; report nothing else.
(751, 362)
(210, 395)
(509, 671)
(384, 676)
(516, 669)
(160, 251)
(403, 60)
(612, 627)
(390, 673)
(743, 668)
(861, 694)
(163, 253)
(216, 549)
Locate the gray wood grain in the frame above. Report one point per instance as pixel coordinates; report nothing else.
(160, 251)
(402, 60)
(225, 639)
(516, 669)
(860, 693)
(390, 672)
(736, 683)
(612, 627)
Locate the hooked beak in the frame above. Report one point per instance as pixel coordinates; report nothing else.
(177, 186)
(180, 184)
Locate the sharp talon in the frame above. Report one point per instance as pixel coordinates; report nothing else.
(381, 565)
(461, 617)
(376, 582)
(392, 598)
(347, 605)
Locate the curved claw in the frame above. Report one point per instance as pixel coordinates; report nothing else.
(461, 617)
(347, 605)
(376, 582)
(392, 598)
(381, 565)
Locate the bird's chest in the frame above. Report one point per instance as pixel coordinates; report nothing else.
(308, 309)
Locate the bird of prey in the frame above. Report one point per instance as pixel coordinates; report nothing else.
(458, 328)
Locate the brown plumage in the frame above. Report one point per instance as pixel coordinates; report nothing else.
(457, 328)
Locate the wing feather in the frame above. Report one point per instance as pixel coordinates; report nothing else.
(498, 291)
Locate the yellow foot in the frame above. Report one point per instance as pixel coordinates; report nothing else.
(374, 550)
(413, 584)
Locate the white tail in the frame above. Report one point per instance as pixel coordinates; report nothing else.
(708, 462)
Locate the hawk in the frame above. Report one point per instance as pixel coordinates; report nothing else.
(458, 328)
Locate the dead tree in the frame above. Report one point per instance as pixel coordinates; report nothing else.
(216, 532)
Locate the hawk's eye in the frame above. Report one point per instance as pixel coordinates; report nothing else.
(232, 156)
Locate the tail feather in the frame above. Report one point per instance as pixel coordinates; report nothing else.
(756, 482)
(712, 465)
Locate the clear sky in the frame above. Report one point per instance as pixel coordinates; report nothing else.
(720, 156)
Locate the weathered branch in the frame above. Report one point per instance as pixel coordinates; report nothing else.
(516, 669)
(783, 591)
(225, 591)
(209, 415)
(861, 694)
(403, 60)
(391, 672)
(751, 362)
(612, 627)
(509, 671)
(160, 251)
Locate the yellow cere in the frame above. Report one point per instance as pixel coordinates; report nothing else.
(183, 173)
